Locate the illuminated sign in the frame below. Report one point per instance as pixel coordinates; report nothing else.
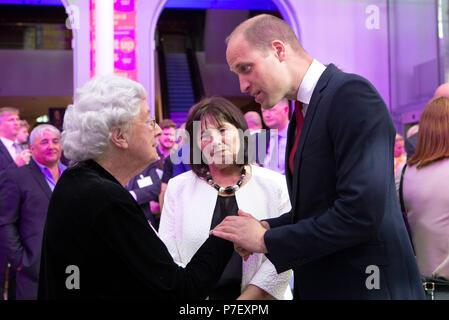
(125, 56)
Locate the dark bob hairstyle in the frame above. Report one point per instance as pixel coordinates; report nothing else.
(219, 110)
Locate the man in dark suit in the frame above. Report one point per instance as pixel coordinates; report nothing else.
(11, 156)
(276, 119)
(344, 237)
(25, 193)
(145, 189)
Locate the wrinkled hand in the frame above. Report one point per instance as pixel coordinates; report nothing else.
(244, 231)
(23, 157)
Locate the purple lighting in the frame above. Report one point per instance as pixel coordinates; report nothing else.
(33, 2)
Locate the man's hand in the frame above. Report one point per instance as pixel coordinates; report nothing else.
(23, 157)
(244, 231)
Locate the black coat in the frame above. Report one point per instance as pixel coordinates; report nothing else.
(93, 223)
(25, 195)
(345, 215)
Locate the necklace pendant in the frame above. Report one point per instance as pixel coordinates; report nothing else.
(229, 190)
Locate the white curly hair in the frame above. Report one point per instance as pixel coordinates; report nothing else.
(101, 104)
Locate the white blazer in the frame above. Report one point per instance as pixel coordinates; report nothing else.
(186, 217)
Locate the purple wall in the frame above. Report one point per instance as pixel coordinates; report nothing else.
(348, 34)
(36, 73)
(414, 64)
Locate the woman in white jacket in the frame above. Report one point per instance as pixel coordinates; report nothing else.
(221, 183)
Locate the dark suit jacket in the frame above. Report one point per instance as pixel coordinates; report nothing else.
(171, 169)
(95, 224)
(5, 162)
(5, 158)
(345, 214)
(25, 195)
(148, 193)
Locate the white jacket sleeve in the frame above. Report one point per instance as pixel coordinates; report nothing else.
(167, 224)
(267, 277)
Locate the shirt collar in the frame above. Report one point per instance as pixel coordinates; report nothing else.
(8, 143)
(309, 81)
(61, 167)
(282, 133)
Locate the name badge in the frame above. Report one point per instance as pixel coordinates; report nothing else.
(145, 182)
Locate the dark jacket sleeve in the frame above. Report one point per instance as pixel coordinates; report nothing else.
(362, 135)
(282, 220)
(130, 236)
(10, 242)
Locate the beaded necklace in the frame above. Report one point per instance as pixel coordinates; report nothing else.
(229, 189)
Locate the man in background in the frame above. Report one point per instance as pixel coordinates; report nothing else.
(146, 186)
(23, 134)
(276, 119)
(167, 140)
(11, 156)
(25, 193)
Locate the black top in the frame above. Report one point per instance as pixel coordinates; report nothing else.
(94, 223)
(228, 287)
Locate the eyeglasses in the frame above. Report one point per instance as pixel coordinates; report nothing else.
(151, 122)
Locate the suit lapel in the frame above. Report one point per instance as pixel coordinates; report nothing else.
(311, 110)
(40, 178)
(5, 152)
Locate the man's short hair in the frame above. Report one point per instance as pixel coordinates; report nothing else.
(4, 110)
(263, 29)
(167, 123)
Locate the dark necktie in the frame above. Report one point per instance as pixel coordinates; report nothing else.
(299, 122)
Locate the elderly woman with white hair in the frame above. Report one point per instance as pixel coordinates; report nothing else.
(97, 242)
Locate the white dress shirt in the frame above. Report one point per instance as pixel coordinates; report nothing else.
(10, 146)
(309, 82)
(275, 157)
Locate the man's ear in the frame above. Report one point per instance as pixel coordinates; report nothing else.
(279, 49)
(119, 138)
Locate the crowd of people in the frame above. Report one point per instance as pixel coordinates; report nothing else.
(220, 208)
